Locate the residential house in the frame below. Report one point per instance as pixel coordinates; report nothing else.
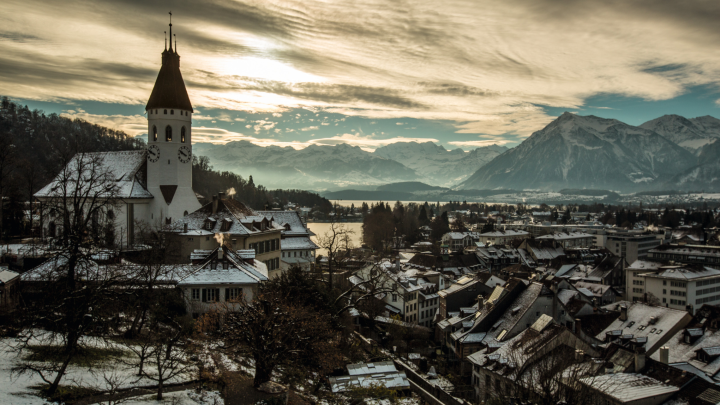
(234, 224)
(297, 249)
(225, 275)
(497, 257)
(602, 294)
(465, 292)
(457, 241)
(497, 368)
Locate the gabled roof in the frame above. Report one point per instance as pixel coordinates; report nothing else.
(238, 217)
(169, 90)
(121, 169)
(6, 276)
(290, 218)
(239, 271)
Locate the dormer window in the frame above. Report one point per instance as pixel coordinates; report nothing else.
(154, 133)
(168, 133)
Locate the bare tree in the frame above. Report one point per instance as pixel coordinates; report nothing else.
(279, 330)
(168, 355)
(70, 296)
(336, 241)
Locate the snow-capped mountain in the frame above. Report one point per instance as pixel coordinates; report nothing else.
(692, 134)
(585, 152)
(704, 176)
(315, 167)
(437, 165)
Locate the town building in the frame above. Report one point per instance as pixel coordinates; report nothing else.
(297, 247)
(699, 254)
(569, 239)
(502, 237)
(678, 286)
(225, 276)
(458, 241)
(368, 375)
(632, 247)
(231, 223)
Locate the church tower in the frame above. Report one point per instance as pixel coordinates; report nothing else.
(169, 151)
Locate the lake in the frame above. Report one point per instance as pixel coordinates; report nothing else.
(319, 229)
(358, 203)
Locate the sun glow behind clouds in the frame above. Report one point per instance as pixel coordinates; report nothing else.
(262, 68)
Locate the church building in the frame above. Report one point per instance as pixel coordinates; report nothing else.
(152, 185)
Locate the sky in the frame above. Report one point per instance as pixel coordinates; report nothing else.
(366, 72)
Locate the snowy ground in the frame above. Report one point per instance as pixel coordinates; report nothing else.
(17, 390)
(188, 397)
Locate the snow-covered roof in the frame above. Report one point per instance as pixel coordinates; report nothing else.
(231, 217)
(682, 352)
(298, 243)
(370, 374)
(645, 321)
(290, 218)
(509, 232)
(7, 276)
(628, 387)
(239, 271)
(104, 168)
(560, 236)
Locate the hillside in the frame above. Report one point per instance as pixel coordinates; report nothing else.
(36, 147)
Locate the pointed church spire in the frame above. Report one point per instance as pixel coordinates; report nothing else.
(171, 34)
(169, 91)
(165, 32)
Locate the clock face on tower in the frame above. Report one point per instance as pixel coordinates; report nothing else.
(153, 153)
(184, 154)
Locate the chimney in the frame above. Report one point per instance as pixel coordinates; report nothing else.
(577, 326)
(609, 367)
(221, 195)
(664, 355)
(397, 263)
(185, 227)
(639, 359)
(481, 302)
(579, 355)
(623, 313)
(214, 204)
(220, 253)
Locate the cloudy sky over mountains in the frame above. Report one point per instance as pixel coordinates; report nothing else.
(367, 73)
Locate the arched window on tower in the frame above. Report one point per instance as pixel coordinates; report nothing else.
(182, 135)
(168, 133)
(154, 133)
(165, 111)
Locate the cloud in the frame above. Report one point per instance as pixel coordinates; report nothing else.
(133, 125)
(309, 128)
(486, 69)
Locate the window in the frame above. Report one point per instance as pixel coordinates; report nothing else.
(233, 293)
(172, 112)
(165, 112)
(277, 262)
(638, 290)
(394, 298)
(154, 133)
(637, 282)
(168, 133)
(213, 294)
(182, 135)
(195, 294)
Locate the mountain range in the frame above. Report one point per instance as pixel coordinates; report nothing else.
(325, 167)
(572, 152)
